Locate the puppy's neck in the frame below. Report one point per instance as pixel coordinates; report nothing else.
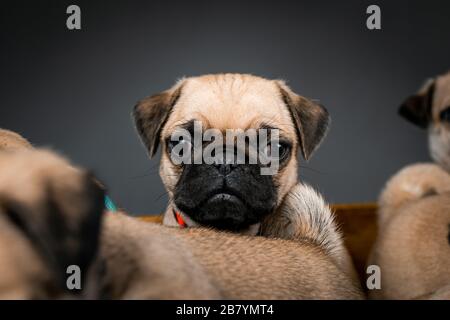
(174, 217)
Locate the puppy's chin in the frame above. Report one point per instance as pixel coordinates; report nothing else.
(224, 212)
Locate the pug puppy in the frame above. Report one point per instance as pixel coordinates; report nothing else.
(52, 217)
(228, 195)
(413, 243)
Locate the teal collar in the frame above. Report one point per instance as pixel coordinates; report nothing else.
(109, 204)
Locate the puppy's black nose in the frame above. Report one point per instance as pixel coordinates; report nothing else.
(225, 169)
(228, 162)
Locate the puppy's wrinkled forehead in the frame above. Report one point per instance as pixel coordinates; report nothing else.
(232, 101)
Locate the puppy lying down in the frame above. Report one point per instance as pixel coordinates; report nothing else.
(52, 216)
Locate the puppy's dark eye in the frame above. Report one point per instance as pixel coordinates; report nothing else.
(283, 149)
(444, 116)
(183, 143)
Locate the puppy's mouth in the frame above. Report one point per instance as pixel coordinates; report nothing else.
(184, 221)
(223, 194)
(223, 209)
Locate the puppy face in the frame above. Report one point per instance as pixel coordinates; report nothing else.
(430, 109)
(229, 195)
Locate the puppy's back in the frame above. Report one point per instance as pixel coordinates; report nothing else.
(218, 264)
(261, 268)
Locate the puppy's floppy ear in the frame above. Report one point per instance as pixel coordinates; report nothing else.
(417, 108)
(150, 115)
(311, 119)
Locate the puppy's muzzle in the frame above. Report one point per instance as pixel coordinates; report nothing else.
(225, 196)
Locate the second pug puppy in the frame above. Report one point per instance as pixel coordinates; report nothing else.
(228, 195)
(413, 245)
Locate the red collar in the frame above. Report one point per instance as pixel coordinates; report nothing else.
(179, 219)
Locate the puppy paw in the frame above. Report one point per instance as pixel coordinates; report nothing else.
(10, 140)
(50, 215)
(412, 183)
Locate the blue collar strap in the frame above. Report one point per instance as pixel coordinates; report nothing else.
(109, 205)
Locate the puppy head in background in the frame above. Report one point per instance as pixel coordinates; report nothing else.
(430, 109)
(223, 194)
(50, 219)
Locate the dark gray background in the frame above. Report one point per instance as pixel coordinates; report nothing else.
(74, 90)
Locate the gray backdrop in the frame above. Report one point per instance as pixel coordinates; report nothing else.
(74, 90)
